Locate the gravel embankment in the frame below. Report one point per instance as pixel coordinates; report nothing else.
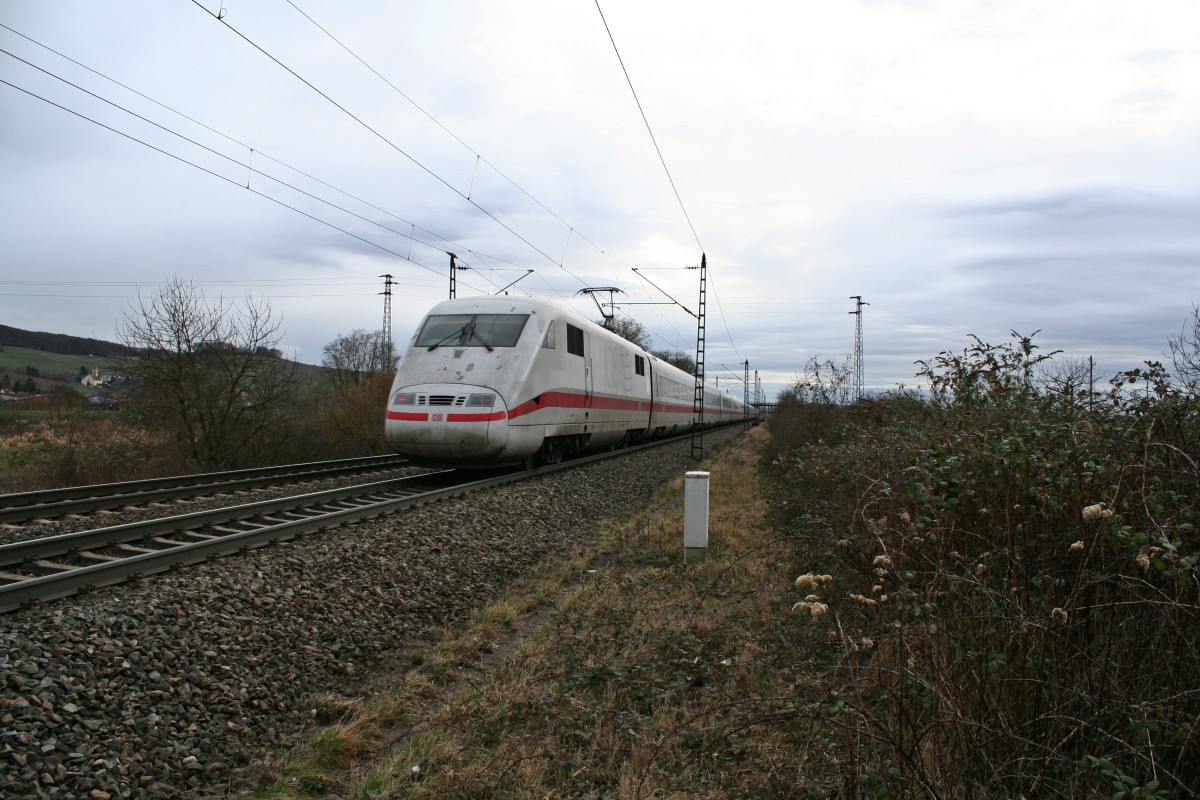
(166, 687)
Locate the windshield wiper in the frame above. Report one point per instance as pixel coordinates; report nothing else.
(456, 335)
(482, 341)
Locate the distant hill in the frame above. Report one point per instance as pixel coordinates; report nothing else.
(54, 359)
(60, 343)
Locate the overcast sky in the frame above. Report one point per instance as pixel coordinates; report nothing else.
(968, 168)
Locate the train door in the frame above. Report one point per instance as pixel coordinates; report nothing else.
(587, 370)
(578, 345)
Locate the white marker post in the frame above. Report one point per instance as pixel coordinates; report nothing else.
(695, 516)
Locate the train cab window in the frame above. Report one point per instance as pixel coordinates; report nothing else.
(639, 365)
(548, 339)
(574, 340)
(471, 330)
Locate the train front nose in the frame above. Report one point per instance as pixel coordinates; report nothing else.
(447, 423)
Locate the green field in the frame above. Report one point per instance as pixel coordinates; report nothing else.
(52, 368)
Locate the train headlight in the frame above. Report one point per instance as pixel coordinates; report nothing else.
(477, 400)
(404, 399)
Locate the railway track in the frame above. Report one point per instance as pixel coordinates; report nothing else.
(53, 567)
(25, 506)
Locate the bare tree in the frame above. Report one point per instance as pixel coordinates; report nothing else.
(630, 330)
(821, 383)
(355, 416)
(1185, 353)
(677, 358)
(210, 373)
(1069, 377)
(354, 357)
(633, 331)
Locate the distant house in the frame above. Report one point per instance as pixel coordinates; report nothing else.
(95, 379)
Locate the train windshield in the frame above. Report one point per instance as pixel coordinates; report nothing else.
(471, 330)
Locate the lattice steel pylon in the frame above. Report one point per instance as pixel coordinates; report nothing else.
(856, 368)
(698, 399)
(385, 333)
(746, 397)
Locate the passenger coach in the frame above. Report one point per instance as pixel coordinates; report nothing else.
(493, 380)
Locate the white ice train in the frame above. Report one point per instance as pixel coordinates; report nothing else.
(495, 380)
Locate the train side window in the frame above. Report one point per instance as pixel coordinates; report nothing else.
(574, 340)
(639, 365)
(548, 340)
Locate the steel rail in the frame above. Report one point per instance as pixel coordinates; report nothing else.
(25, 506)
(210, 535)
(158, 545)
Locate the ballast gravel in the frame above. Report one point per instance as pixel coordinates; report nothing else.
(169, 686)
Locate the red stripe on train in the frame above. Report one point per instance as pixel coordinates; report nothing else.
(563, 400)
(576, 400)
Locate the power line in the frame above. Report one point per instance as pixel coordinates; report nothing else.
(478, 157)
(211, 172)
(647, 122)
(252, 170)
(250, 149)
(385, 139)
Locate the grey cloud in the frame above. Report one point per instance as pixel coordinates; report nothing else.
(1100, 212)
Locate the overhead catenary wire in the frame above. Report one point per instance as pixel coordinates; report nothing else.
(237, 162)
(642, 111)
(215, 174)
(572, 229)
(254, 168)
(478, 156)
(666, 169)
(459, 246)
(386, 140)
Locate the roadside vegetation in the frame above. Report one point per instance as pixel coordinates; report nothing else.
(1008, 570)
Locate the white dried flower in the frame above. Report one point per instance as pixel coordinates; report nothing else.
(814, 609)
(844, 543)
(877, 588)
(867, 643)
(866, 601)
(810, 581)
(1095, 512)
(883, 598)
(813, 597)
(1075, 548)
(904, 517)
(882, 561)
(1143, 561)
(1058, 615)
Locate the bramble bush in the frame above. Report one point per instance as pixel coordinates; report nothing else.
(1007, 573)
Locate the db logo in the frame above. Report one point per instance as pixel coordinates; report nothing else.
(439, 417)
